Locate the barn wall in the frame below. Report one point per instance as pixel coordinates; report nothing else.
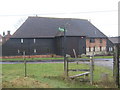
(15, 47)
(44, 46)
(10, 47)
(58, 46)
(77, 43)
(82, 45)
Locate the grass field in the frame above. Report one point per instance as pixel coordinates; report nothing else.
(50, 75)
(29, 59)
(16, 59)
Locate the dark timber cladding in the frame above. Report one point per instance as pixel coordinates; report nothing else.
(77, 43)
(40, 35)
(41, 46)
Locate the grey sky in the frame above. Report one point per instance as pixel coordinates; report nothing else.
(102, 13)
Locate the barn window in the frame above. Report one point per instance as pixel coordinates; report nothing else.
(110, 49)
(92, 40)
(18, 51)
(101, 40)
(35, 50)
(22, 40)
(34, 40)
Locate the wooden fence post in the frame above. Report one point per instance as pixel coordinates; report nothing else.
(67, 66)
(24, 63)
(116, 65)
(91, 69)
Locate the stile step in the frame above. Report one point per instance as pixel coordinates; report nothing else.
(78, 69)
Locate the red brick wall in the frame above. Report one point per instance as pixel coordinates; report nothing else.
(97, 43)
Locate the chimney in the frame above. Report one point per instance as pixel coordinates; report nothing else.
(3, 34)
(8, 32)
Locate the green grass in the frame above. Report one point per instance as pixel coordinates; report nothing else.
(16, 59)
(49, 75)
(97, 57)
(29, 59)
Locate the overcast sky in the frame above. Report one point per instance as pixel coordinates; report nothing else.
(102, 13)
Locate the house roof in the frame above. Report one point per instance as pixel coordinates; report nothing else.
(114, 40)
(36, 27)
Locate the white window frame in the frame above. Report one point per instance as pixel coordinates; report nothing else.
(111, 49)
(35, 51)
(22, 40)
(18, 51)
(34, 40)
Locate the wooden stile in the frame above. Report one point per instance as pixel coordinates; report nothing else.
(82, 74)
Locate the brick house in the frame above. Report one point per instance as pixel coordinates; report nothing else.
(40, 36)
(6, 37)
(98, 45)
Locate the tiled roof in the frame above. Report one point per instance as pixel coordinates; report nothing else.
(38, 27)
(114, 40)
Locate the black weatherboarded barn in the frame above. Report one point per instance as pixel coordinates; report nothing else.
(40, 36)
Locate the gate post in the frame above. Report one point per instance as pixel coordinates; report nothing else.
(91, 69)
(116, 65)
